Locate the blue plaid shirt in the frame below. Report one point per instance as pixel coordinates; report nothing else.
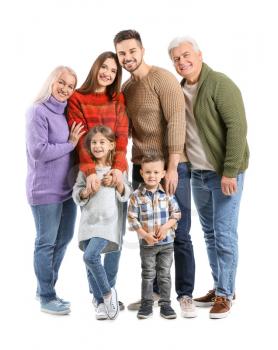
(150, 210)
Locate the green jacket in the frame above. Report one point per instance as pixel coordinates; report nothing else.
(220, 117)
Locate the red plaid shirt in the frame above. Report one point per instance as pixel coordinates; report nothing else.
(95, 109)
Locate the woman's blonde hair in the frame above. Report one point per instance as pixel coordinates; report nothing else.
(46, 89)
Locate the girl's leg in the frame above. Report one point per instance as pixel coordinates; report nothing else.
(92, 259)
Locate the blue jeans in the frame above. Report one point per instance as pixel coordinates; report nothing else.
(101, 278)
(219, 217)
(183, 248)
(55, 228)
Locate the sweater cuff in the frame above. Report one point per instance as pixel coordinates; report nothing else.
(230, 172)
(178, 149)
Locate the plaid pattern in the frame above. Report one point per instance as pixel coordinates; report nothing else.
(152, 210)
(95, 109)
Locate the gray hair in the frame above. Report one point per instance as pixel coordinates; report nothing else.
(181, 40)
(46, 89)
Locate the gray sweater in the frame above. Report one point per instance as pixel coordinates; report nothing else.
(102, 215)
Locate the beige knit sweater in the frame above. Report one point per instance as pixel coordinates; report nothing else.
(156, 110)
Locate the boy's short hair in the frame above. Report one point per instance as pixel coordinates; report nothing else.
(152, 157)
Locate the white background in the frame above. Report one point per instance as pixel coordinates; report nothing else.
(238, 38)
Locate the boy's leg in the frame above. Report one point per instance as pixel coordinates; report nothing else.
(164, 261)
(148, 262)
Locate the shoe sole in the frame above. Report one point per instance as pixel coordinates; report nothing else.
(144, 317)
(103, 318)
(189, 314)
(219, 316)
(169, 317)
(64, 312)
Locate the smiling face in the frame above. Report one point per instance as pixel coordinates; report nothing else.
(152, 173)
(187, 61)
(63, 87)
(130, 54)
(106, 74)
(100, 148)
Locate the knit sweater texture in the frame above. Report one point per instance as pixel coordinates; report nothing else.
(50, 175)
(96, 109)
(220, 117)
(156, 110)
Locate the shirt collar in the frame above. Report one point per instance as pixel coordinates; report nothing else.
(143, 189)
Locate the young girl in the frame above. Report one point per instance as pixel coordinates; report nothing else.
(102, 217)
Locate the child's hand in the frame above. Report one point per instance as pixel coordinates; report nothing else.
(107, 180)
(84, 194)
(88, 191)
(150, 238)
(162, 232)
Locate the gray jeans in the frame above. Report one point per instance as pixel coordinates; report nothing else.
(156, 260)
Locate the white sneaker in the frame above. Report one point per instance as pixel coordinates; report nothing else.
(112, 305)
(188, 309)
(101, 313)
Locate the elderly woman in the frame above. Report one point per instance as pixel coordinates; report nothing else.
(50, 181)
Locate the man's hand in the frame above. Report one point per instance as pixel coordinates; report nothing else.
(171, 181)
(228, 185)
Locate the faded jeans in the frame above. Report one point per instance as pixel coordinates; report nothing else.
(218, 215)
(156, 261)
(55, 228)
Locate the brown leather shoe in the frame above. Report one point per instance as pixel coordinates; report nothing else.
(221, 307)
(208, 299)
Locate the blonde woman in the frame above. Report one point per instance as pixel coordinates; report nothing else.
(49, 185)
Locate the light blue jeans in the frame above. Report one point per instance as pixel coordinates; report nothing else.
(219, 218)
(101, 277)
(55, 228)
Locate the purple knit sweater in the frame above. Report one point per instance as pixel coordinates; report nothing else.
(49, 157)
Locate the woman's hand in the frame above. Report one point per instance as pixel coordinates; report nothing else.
(114, 177)
(75, 133)
(92, 183)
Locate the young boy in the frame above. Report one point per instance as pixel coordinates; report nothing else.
(154, 215)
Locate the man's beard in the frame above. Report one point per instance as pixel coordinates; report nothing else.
(136, 67)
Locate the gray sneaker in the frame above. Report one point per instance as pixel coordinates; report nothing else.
(101, 313)
(121, 304)
(112, 305)
(136, 305)
(188, 309)
(55, 307)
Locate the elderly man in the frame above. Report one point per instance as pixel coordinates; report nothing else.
(218, 152)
